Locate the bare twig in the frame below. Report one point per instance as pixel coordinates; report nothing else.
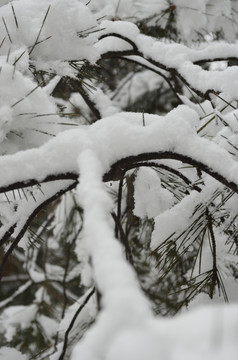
(66, 336)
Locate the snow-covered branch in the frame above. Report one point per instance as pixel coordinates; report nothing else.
(27, 210)
(57, 159)
(119, 171)
(177, 59)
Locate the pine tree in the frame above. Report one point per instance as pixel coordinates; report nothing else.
(118, 133)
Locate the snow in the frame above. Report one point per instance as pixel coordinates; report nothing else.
(176, 56)
(114, 277)
(87, 315)
(190, 19)
(49, 325)
(207, 332)
(25, 208)
(171, 221)
(84, 147)
(13, 316)
(21, 102)
(135, 86)
(147, 9)
(112, 9)
(150, 198)
(175, 133)
(124, 28)
(103, 103)
(50, 34)
(11, 354)
(59, 33)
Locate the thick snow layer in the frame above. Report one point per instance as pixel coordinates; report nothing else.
(114, 277)
(7, 353)
(207, 332)
(25, 112)
(176, 56)
(103, 103)
(64, 35)
(174, 133)
(48, 34)
(150, 198)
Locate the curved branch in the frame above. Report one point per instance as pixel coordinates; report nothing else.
(219, 58)
(7, 234)
(122, 38)
(173, 71)
(190, 55)
(167, 168)
(31, 182)
(74, 318)
(117, 54)
(27, 223)
(156, 72)
(117, 169)
(116, 172)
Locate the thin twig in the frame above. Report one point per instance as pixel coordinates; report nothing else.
(124, 239)
(66, 335)
(27, 223)
(64, 280)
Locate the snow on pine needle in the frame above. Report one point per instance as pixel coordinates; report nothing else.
(118, 144)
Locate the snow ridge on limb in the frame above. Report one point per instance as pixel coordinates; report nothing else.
(54, 37)
(114, 277)
(171, 136)
(123, 39)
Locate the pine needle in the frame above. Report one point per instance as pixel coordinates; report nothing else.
(42, 132)
(8, 54)
(30, 92)
(41, 41)
(7, 30)
(33, 196)
(143, 118)
(2, 42)
(19, 57)
(7, 198)
(14, 196)
(42, 25)
(229, 104)
(14, 14)
(25, 195)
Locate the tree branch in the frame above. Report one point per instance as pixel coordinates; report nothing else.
(117, 169)
(66, 336)
(135, 51)
(27, 223)
(134, 47)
